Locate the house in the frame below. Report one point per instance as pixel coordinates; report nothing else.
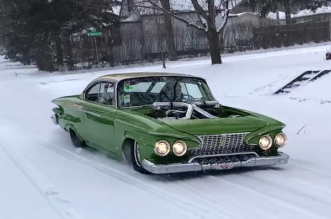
(143, 34)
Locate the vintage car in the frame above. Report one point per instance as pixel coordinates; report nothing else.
(168, 123)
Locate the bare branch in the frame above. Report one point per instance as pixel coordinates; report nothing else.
(225, 19)
(199, 10)
(188, 23)
(7, 30)
(202, 22)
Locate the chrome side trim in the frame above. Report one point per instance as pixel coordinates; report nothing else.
(223, 155)
(282, 158)
(91, 113)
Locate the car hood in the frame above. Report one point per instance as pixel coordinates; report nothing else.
(218, 125)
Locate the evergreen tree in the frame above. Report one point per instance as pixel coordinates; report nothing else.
(41, 30)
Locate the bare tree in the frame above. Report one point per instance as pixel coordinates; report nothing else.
(212, 18)
(172, 52)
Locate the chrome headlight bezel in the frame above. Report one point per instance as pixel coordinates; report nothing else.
(267, 146)
(158, 145)
(284, 140)
(184, 145)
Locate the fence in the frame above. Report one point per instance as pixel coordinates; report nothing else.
(135, 49)
(277, 36)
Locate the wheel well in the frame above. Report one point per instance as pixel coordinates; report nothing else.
(126, 148)
(128, 142)
(71, 131)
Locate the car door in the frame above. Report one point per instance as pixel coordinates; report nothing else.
(100, 115)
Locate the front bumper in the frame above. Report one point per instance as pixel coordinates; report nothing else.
(282, 158)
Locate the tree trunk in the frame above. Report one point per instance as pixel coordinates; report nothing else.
(110, 50)
(252, 5)
(26, 59)
(59, 53)
(214, 46)
(69, 53)
(44, 60)
(287, 12)
(172, 52)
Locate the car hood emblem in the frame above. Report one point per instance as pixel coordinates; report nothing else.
(222, 142)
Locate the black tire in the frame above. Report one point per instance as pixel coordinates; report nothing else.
(136, 159)
(75, 140)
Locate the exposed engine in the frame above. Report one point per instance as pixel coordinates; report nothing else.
(185, 111)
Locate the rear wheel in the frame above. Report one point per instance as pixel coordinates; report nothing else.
(75, 140)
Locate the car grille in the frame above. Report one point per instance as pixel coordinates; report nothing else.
(222, 144)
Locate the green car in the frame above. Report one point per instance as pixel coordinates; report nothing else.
(168, 123)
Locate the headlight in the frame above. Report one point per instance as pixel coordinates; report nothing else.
(162, 148)
(179, 148)
(280, 140)
(265, 142)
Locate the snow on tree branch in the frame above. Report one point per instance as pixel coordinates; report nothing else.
(154, 4)
(221, 20)
(211, 14)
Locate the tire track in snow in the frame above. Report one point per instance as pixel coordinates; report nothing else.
(312, 192)
(247, 197)
(53, 197)
(194, 190)
(270, 194)
(195, 210)
(305, 167)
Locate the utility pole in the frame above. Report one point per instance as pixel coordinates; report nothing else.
(96, 49)
(94, 33)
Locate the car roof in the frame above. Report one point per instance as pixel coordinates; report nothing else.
(119, 77)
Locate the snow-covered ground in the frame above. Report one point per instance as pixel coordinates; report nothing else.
(43, 176)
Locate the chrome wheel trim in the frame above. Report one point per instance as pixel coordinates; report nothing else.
(136, 153)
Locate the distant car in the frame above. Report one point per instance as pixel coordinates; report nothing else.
(168, 123)
(328, 56)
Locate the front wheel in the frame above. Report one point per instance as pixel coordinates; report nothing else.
(136, 162)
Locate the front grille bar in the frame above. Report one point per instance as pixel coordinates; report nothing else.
(222, 144)
(242, 156)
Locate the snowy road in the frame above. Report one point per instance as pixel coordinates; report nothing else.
(43, 176)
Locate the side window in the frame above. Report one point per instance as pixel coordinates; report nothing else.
(93, 93)
(158, 87)
(107, 94)
(194, 90)
(184, 88)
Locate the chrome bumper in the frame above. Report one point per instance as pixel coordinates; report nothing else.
(55, 119)
(282, 158)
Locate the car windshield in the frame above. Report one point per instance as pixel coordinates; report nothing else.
(146, 91)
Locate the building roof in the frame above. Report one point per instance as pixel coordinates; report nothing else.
(178, 5)
(302, 13)
(124, 76)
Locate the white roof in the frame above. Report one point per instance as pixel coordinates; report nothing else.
(178, 5)
(302, 13)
